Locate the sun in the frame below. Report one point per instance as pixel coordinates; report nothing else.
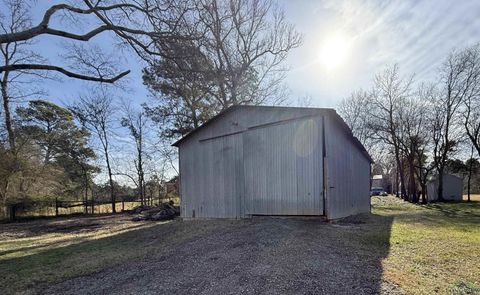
(335, 51)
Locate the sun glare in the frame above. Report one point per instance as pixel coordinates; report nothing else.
(334, 51)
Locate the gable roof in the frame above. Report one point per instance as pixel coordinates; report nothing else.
(338, 120)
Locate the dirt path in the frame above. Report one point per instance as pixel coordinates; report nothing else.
(260, 256)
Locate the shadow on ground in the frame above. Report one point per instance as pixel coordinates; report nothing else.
(257, 256)
(456, 209)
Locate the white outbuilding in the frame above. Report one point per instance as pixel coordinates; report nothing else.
(261, 160)
(452, 188)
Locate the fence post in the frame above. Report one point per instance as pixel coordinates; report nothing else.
(123, 205)
(56, 206)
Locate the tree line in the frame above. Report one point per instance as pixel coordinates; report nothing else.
(415, 130)
(199, 58)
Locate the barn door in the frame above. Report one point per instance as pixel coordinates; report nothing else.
(283, 169)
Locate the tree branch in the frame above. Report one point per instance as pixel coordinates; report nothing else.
(16, 67)
(42, 27)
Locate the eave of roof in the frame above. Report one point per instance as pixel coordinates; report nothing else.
(337, 117)
(221, 114)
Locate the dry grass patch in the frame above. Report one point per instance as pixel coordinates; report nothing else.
(473, 197)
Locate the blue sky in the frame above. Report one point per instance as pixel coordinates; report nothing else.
(417, 35)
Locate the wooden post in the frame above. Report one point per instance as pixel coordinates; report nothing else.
(56, 206)
(93, 204)
(123, 205)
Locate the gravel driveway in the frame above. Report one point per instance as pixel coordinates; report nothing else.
(257, 256)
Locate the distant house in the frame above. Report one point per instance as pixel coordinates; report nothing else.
(377, 181)
(259, 160)
(376, 186)
(452, 188)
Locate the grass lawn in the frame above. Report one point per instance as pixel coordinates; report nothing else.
(432, 248)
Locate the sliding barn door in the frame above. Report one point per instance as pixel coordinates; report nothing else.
(283, 168)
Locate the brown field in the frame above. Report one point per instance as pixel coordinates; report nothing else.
(473, 197)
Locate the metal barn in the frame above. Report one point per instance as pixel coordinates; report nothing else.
(260, 160)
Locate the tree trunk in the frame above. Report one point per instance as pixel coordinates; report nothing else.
(142, 201)
(400, 172)
(6, 111)
(424, 192)
(110, 178)
(86, 191)
(93, 204)
(397, 180)
(413, 185)
(112, 193)
(109, 168)
(403, 189)
(440, 184)
(4, 206)
(141, 180)
(470, 168)
(4, 194)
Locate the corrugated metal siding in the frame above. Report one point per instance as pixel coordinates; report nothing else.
(348, 174)
(283, 169)
(273, 177)
(210, 185)
(212, 178)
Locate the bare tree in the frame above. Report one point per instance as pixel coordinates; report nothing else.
(425, 138)
(473, 167)
(355, 112)
(94, 111)
(305, 101)
(423, 128)
(414, 140)
(247, 42)
(472, 122)
(15, 20)
(139, 24)
(389, 93)
(471, 101)
(136, 122)
(238, 58)
(460, 83)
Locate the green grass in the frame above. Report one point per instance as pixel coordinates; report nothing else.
(53, 257)
(433, 248)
